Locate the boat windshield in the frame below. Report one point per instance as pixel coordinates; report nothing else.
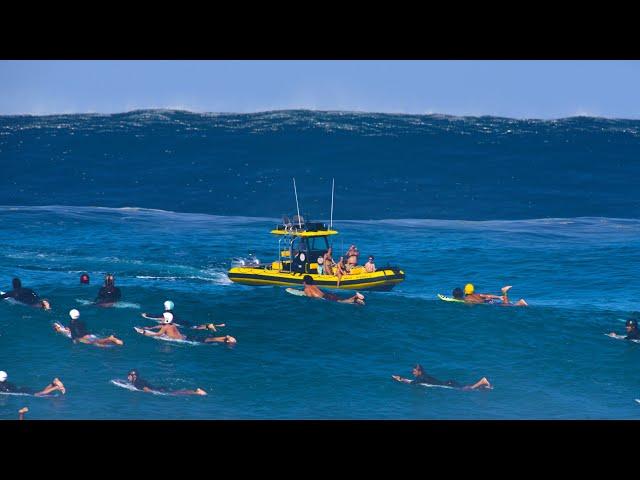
(318, 243)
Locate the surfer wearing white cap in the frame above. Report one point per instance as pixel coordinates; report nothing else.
(179, 322)
(7, 387)
(79, 333)
(169, 329)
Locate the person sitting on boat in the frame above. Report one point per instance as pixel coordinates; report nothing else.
(310, 290)
(370, 267)
(422, 377)
(170, 330)
(340, 270)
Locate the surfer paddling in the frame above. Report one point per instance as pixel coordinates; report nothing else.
(470, 296)
(77, 330)
(140, 384)
(7, 387)
(422, 377)
(169, 329)
(179, 321)
(310, 290)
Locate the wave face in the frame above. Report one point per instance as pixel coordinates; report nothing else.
(385, 166)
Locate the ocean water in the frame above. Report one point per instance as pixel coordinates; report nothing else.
(165, 200)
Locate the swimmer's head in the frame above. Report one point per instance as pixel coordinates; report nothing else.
(230, 339)
(168, 317)
(45, 304)
(457, 293)
(3, 375)
(132, 374)
(168, 305)
(109, 279)
(632, 323)
(469, 289)
(307, 280)
(74, 314)
(418, 370)
(16, 283)
(84, 278)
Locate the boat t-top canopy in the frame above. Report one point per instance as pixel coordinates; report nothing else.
(299, 228)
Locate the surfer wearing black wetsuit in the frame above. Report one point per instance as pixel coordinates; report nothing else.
(109, 293)
(7, 387)
(141, 384)
(632, 328)
(422, 377)
(79, 332)
(25, 296)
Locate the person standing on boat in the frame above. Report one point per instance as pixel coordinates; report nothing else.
(352, 256)
(327, 262)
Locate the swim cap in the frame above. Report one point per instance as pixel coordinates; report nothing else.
(75, 314)
(168, 305)
(168, 317)
(468, 289)
(633, 322)
(3, 375)
(84, 278)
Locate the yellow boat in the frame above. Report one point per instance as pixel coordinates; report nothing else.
(300, 247)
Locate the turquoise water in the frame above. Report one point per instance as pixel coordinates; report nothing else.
(300, 358)
(165, 200)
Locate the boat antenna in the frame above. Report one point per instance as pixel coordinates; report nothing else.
(333, 184)
(295, 190)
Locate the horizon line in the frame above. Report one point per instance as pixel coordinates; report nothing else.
(312, 110)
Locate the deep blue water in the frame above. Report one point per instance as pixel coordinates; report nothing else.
(554, 210)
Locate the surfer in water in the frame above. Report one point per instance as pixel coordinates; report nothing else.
(170, 330)
(471, 297)
(422, 377)
(21, 412)
(145, 386)
(7, 387)
(26, 296)
(79, 333)
(109, 293)
(631, 327)
(310, 290)
(179, 321)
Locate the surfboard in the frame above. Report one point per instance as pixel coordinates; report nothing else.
(61, 329)
(638, 400)
(129, 386)
(444, 298)
(295, 291)
(621, 337)
(142, 331)
(436, 386)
